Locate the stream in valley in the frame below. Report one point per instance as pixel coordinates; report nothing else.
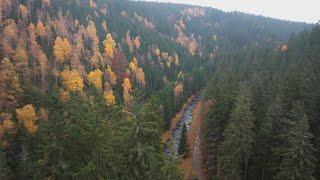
(172, 145)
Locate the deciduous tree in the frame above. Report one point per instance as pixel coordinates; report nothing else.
(27, 116)
(72, 80)
(9, 84)
(62, 49)
(109, 46)
(95, 78)
(111, 76)
(127, 98)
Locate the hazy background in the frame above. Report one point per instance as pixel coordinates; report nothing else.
(294, 10)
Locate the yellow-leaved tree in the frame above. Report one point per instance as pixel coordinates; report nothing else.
(9, 84)
(95, 78)
(109, 98)
(62, 49)
(6, 124)
(109, 46)
(140, 77)
(138, 72)
(41, 29)
(133, 64)
(27, 116)
(127, 98)
(71, 80)
(111, 76)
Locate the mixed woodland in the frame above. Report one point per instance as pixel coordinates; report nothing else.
(87, 87)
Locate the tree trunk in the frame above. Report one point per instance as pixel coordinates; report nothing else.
(246, 170)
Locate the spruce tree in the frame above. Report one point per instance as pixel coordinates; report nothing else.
(299, 159)
(4, 168)
(271, 139)
(238, 137)
(183, 143)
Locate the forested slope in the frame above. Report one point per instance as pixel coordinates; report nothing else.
(88, 86)
(266, 106)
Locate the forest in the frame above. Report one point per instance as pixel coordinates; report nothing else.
(89, 87)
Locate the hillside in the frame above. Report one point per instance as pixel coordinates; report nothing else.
(87, 87)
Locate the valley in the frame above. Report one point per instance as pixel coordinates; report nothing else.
(121, 89)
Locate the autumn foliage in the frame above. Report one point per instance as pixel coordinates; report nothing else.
(109, 98)
(27, 116)
(95, 78)
(62, 49)
(109, 46)
(111, 76)
(71, 80)
(6, 124)
(127, 98)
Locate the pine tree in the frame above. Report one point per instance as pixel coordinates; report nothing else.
(236, 148)
(183, 142)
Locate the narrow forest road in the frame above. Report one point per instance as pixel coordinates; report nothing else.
(194, 134)
(196, 156)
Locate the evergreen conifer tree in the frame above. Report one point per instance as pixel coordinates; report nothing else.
(236, 148)
(183, 143)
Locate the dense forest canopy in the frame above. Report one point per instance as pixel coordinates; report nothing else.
(87, 87)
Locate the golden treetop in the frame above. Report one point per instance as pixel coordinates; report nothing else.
(139, 73)
(126, 84)
(62, 49)
(95, 78)
(109, 98)
(109, 45)
(133, 65)
(41, 29)
(7, 125)
(111, 76)
(27, 116)
(72, 80)
(9, 80)
(20, 56)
